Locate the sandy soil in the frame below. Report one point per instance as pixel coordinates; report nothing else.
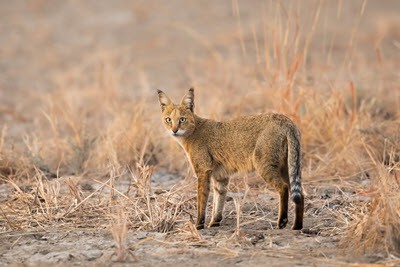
(258, 241)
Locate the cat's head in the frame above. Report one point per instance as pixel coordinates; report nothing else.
(178, 119)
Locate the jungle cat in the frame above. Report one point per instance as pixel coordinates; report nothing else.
(266, 143)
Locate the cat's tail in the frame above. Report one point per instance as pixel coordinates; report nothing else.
(294, 164)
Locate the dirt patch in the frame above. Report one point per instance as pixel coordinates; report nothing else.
(254, 242)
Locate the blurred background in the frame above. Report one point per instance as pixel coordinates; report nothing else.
(73, 66)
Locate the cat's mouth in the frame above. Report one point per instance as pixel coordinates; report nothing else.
(178, 133)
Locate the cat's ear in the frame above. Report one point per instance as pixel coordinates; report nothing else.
(188, 100)
(163, 99)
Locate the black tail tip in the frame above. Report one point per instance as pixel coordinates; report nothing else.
(297, 198)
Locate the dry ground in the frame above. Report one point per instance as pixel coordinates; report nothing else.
(88, 176)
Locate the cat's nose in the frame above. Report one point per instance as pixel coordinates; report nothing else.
(175, 130)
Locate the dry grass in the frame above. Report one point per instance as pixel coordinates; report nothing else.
(90, 158)
(376, 224)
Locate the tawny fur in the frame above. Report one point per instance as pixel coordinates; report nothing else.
(266, 143)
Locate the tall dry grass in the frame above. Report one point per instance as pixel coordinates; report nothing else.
(93, 131)
(375, 226)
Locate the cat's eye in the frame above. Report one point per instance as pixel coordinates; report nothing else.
(182, 120)
(168, 119)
